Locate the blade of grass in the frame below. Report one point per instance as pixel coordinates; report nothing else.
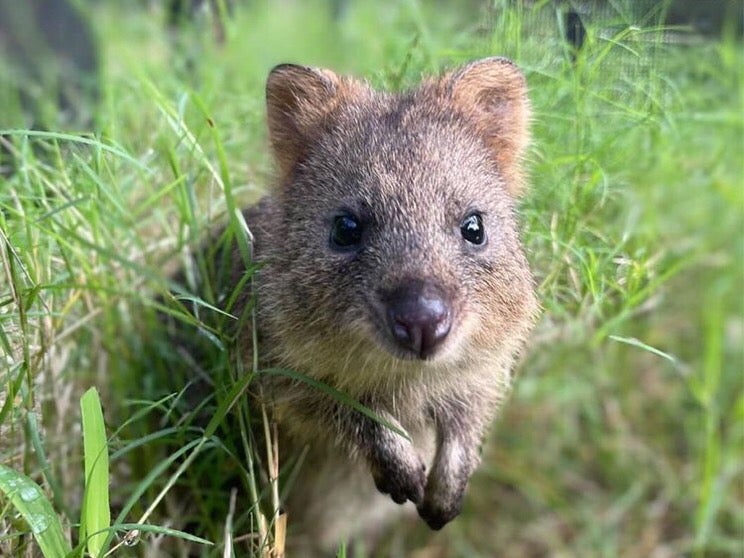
(144, 527)
(28, 498)
(337, 395)
(34, 434)
(145, 483)
(706, 389)
(83, 140)
(633, 342)
(96, 517)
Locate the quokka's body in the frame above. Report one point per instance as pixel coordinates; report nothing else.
(390, 268)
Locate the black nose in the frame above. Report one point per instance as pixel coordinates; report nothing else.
(419, 317)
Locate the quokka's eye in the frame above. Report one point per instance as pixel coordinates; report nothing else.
(472, 229)
(346, 232)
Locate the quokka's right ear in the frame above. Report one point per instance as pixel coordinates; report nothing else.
(299, 103)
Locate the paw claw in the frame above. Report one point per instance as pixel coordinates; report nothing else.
(406, 483)
(436, 515)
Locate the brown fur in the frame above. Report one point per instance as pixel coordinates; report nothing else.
(412, 166)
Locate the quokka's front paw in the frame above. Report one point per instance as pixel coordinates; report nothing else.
(401, 480)
(439, 509)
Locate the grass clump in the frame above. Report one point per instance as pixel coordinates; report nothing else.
(624, 435)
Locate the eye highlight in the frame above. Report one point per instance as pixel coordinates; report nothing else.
(346, 233)
(472, 229)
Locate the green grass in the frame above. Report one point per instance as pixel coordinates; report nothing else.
(625, 433)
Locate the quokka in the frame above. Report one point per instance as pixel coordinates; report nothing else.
(389, 268)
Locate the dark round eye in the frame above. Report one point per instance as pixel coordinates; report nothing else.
(346, 232)
(472, 229)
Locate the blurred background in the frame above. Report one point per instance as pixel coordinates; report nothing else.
(124, 125)
(52, 67)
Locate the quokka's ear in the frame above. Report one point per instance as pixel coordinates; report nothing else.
(299, 102)
(493, 93)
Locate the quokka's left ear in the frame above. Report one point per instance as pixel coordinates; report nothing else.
(493, 93)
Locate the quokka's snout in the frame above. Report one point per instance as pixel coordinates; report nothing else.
(419, 317)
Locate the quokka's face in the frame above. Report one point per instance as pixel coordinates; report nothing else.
(409, 229)
(399, 226)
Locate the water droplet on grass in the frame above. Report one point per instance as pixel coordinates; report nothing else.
(29, 493)
(38, 523)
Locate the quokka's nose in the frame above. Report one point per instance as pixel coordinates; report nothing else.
(419, 317)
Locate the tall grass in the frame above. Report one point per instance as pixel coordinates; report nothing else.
(625, 434)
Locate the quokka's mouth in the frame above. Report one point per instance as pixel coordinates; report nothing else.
(424, 357)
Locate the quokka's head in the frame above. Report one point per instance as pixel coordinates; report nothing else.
(395, 232)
